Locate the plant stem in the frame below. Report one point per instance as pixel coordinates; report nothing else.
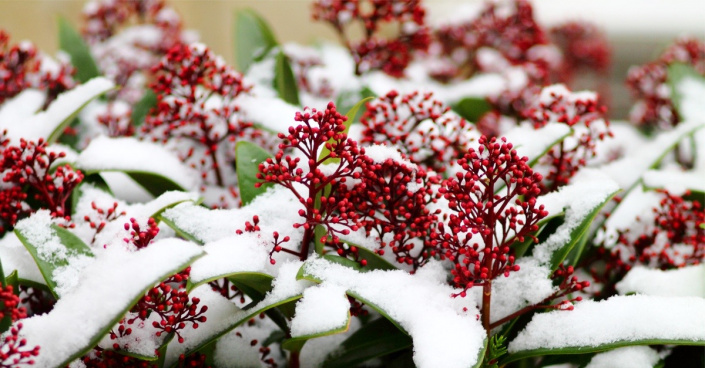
(294, 359)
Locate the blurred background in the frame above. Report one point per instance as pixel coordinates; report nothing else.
(638, 29)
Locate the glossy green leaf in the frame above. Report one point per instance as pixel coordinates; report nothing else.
(297, 343)
(253, 38)
(179, 231)
(472, 108)
(375, 339)
(73, 244)
(248, 156)
(576, 234)
(374, 261)
(677, 73)
(284, 79)
(71, 42)
(141, 109)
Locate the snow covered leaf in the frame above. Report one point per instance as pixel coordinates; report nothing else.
(375, 339)
(248, 156)
(74, 45)
(116, 281)
(253, 38)
(55, 250)
(50, 123)
(150, 165)
(616, 322)
(631, 356)
(535, 143)
(141, 109)
(472, 108)
(687, 91)
(580, 201)
(324, 310)
(686, 281)
(284, 80)
(444, 330)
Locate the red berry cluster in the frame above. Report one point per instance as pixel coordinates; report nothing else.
(102, 217)
(188, 82)
(321, 175)
(30, 165)
(584, 47)
(21, 68)
(102, 358)
(374, 52)
(675, 238)
(13, 350)
(582, 112)
(392, 198)
(141, 238)
(488, 201)
(419, 126)
(654, 108)
(171, 302)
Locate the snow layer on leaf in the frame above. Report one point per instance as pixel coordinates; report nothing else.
(242, 253)
(284, 286)
(693, 91)
(277, 210)
(528, 286)
(41, 125)
(125, 188)
(130, 154)
(380, 153)
(113, 282)
(14, 256)
(686, 281)
(531, 142)
(20, 107)
(629, 169)
(220, 317)
(588, 189)
(675, 181)
(444, 335)
(628, 357)
(618, 319)
(142, 341)
(323, 308)
(270, 112)
(637, 204)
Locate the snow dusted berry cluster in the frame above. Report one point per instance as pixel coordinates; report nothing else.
(425, 195)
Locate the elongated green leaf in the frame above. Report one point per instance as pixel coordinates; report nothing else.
(253, 38)
(374, 261)
(248, 156)
(48, 263)
(71, 42)
(375, 339)
(677, 74)
(472, 108)
(141, 109)
(284, 80)
(155, 184)
(297, 343)
(10, 280)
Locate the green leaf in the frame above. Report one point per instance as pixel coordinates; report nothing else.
(248, 156)
(284, 80)
(253, 38)
(677, 73)
(71, 42)
(71, 242)
(472, 108)
(154, 183)
(375, 339)
(141, 109)
(297, 343)
(576, 233)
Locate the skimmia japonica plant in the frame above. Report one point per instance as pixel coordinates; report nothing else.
(418, 195)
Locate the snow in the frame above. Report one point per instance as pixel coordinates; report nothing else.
(270, 112)
(628, 357)
(143, 340)
(20, 107)
(41, 125)
(241, 253)
(675, 181)
(686, 281)
(619, 319)
(380, 153)
(637, 204)
(113, 281)
(692, 90)
(315, 351)
(588, 189)
(132, 155)
(235, 349)
(14, 256)
(629, 169)
(323, 308)
(533, 143)
(443, 334)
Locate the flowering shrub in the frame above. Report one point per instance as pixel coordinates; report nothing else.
(160, 208)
